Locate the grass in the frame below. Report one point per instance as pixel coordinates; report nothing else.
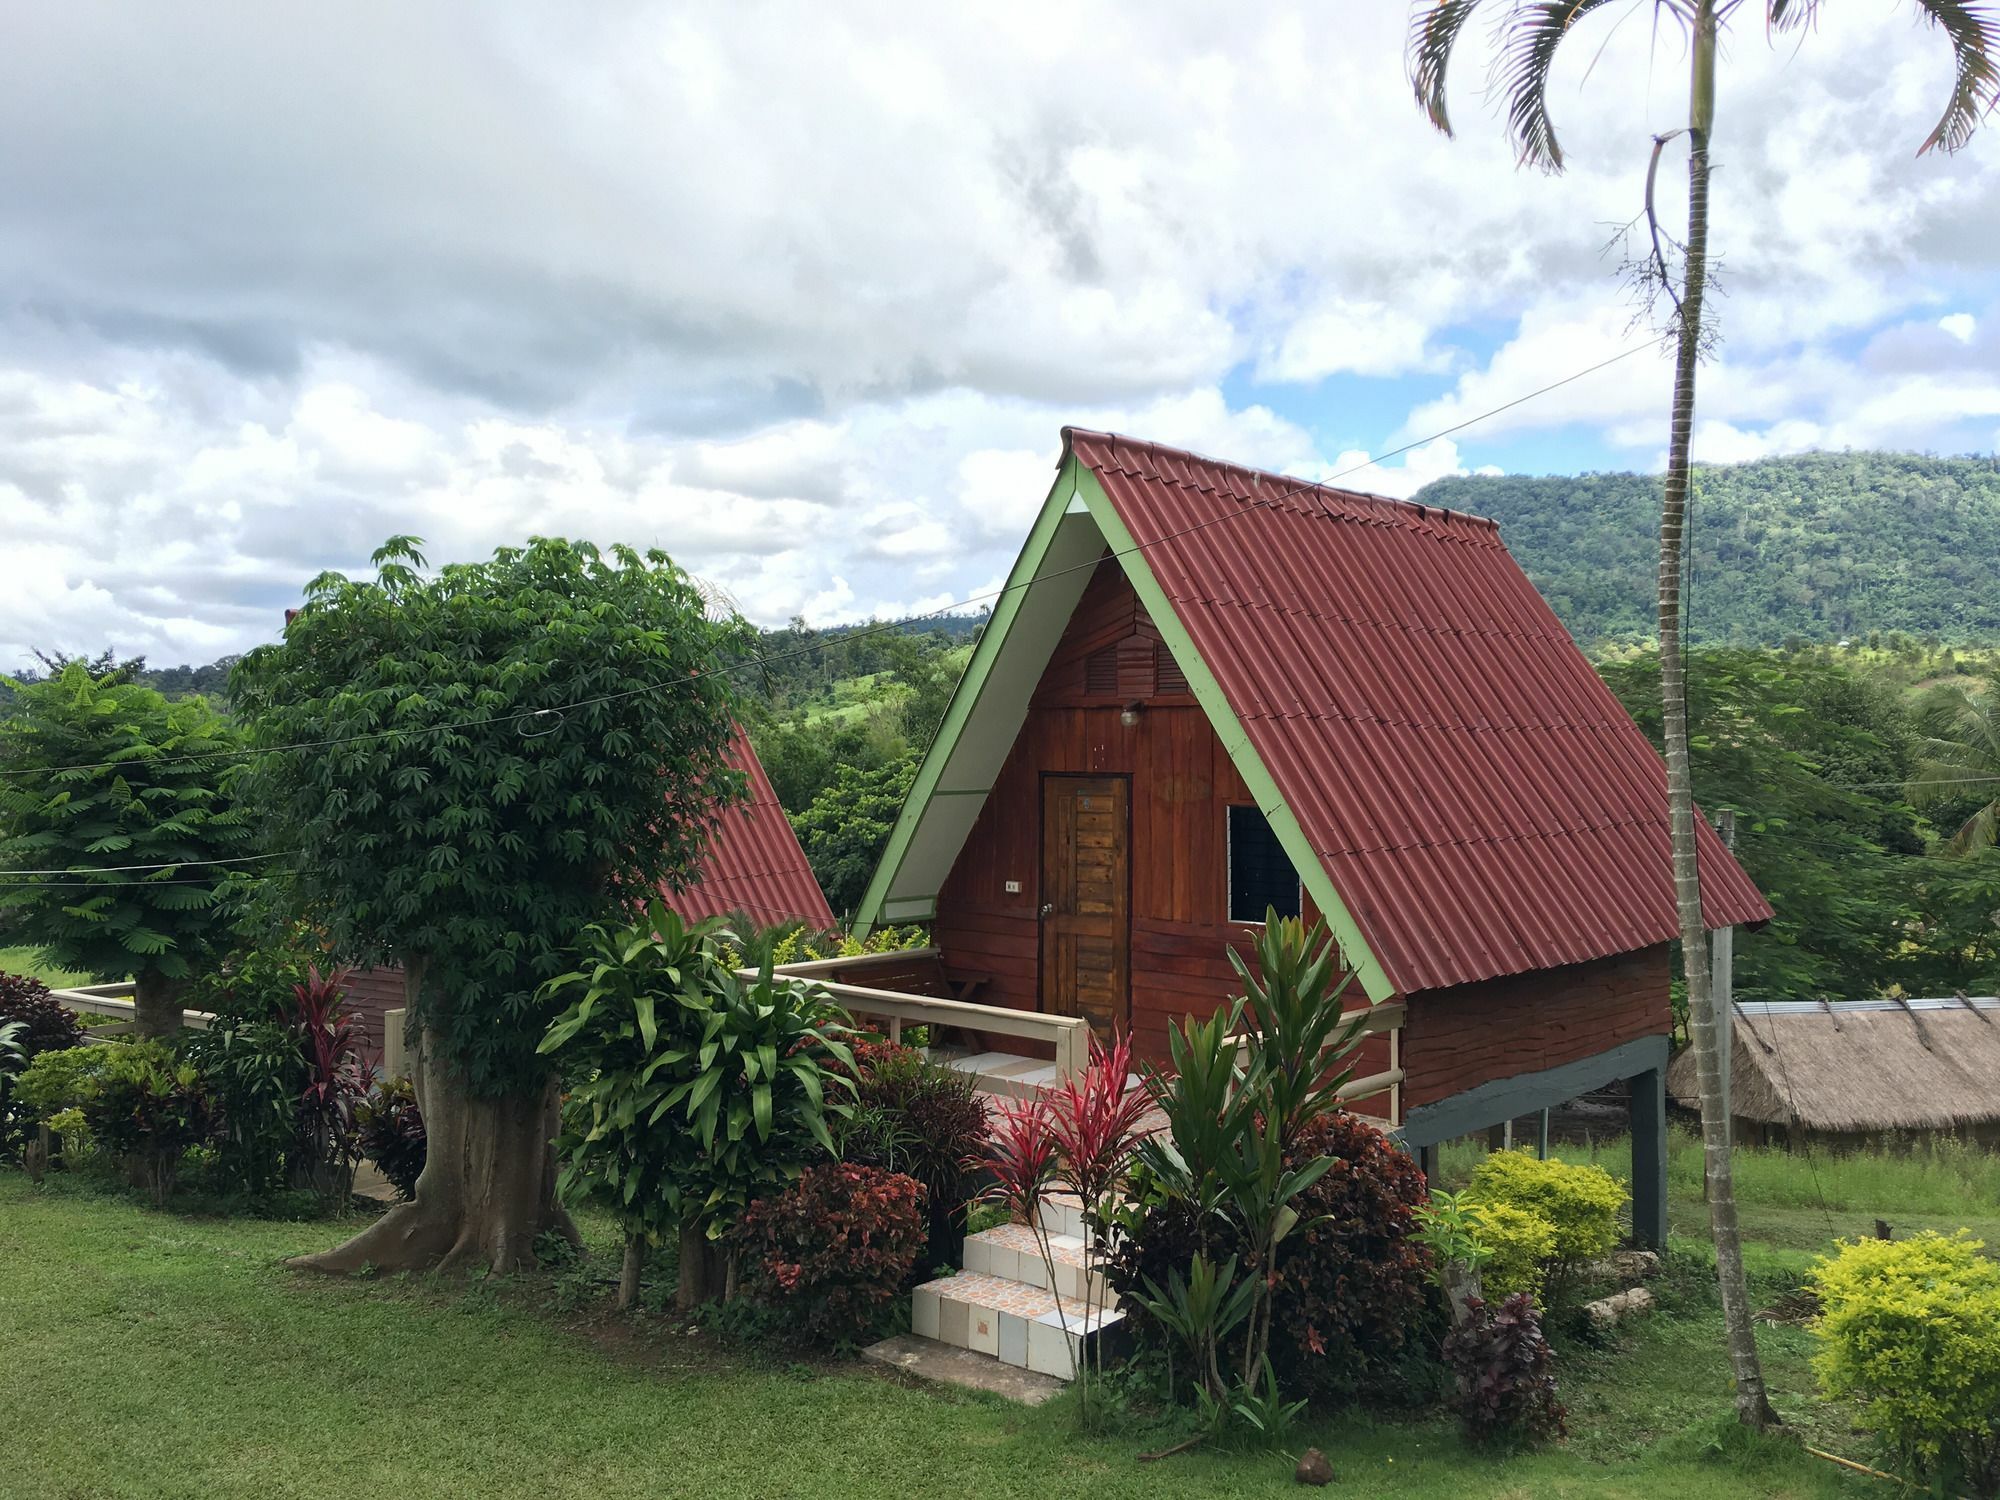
(28, 961)
(166, 1356)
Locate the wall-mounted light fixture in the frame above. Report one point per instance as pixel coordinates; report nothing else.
(1129, 714)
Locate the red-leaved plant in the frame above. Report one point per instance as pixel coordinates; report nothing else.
(834, 1248)
(1081, 1132)
(330, 1046)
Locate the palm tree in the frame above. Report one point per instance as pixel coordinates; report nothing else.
(1958, 754)
(1529, 34)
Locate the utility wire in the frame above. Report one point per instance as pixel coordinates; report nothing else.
(897, 626)
(165, 864)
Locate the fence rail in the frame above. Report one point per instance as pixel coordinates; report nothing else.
(115, 1001)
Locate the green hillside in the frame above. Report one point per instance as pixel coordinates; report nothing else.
(1813, 547)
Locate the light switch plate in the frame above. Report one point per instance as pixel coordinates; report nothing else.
(1013, 887)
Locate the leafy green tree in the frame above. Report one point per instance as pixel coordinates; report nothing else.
(1531, 33)
(474, 765)
(1809, 757)
(97, 772)
(926, 671)
(847, 827)
(696, 1090)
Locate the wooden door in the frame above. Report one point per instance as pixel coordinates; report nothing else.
(1086, 899)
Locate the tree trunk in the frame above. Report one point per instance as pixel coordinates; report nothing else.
(1753, 1407)
(700, 1278)
(156, 1003)
(488, 1184)
(628, 1272)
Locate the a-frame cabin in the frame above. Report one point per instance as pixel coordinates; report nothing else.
(1208, 690)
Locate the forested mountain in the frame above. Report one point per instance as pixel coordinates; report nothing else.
(1813, 547)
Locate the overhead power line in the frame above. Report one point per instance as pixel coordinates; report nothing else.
(523, 715)
(165, 864)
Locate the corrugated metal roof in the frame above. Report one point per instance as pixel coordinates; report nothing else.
(754, 861)
(1482, 803)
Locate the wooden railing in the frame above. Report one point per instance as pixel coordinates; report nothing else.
(115, 1000)
(1067, 1036)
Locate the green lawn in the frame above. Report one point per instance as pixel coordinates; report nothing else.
(160, 1356)
(28, 961)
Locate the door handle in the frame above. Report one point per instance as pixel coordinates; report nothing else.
(1048, 908)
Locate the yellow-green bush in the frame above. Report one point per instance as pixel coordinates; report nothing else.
(1911, 1329)
(1518, 1242)
(1580, 1203)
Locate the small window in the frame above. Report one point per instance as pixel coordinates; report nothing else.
(1261, 876)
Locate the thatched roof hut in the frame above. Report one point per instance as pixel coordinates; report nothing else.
(1860, 1067)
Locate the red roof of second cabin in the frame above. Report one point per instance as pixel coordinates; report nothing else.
(754, 863)
(1481, 801)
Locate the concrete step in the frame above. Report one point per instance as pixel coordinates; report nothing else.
(927, 1359)
(1017, 1324)
(1062, 1213)
(1013, 1252)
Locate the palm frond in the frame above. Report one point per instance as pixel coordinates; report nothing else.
(1977, 832)
(1434, 30)
(1791, 15)
(1529, 38)
(1974, 33)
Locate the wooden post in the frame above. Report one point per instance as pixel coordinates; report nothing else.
(1427, 1161)
(1542, 1136)
(1649, 1158)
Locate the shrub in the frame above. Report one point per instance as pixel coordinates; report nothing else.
(147, 1106)
(58, 1081)
(254, 1074)
(1579, 1203)
(697, 1091)
(47, 1025)
(1912, 1330)
(1505, 1373)
(390, 1130)
(834, 1249)
(930, 1121)
(1352, 1286)
(1351, 1294)
(1519, 1244)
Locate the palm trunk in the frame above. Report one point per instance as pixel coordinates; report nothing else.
(1753, 1407)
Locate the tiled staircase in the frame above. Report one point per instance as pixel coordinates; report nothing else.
(1002, 1305)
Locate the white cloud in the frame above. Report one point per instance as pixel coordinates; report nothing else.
(804, 293)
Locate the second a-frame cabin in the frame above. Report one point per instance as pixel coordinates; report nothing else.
(1209, 691)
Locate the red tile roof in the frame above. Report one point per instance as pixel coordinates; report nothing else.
(754, 863)
(1483, 804)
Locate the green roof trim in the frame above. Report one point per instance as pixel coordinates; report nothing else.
(1235, 739)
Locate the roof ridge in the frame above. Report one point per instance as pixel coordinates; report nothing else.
(1294, 485)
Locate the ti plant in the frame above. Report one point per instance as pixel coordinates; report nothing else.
(329, 1044)
(693, 1090)
(1095, 1118)
(1243, 1088)
(1080, 1134)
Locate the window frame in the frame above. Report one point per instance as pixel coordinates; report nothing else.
(1229, 811)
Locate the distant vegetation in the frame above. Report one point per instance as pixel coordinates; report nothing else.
(1815, 547)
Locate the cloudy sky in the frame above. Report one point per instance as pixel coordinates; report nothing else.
(804, 292)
